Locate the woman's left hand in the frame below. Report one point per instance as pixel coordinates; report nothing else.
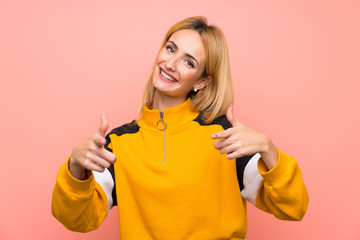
(239, 141)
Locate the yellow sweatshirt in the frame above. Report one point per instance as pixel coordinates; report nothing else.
(170, 183)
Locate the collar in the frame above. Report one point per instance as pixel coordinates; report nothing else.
(175, 117)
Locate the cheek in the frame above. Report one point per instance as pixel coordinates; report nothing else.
(161, 56)
(190, 76)
(158, 59)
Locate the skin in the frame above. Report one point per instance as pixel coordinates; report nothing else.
(182, 58)
(240, 140)
(91, 153)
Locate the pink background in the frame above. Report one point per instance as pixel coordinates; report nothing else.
(295, 66)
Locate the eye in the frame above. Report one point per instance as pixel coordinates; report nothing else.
(189, 63)
(170, 49)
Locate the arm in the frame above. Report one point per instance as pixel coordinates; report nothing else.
(83, 205)
(272, 182)
(79, 205)
(279, 191)
(283, 192)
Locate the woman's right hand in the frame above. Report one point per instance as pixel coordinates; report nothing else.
(91, 153)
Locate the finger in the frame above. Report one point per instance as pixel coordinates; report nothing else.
(224, 142)
(99, 140)
(102, 162)
(236, 151)
(93, 158)
(230, 116)
(100, 151)
(233, 155)
(222, 134)
(97, 167)
(231, 152)
(218, 144)
(90, 163)
(107, 155)
(104, 125)
(229, 149)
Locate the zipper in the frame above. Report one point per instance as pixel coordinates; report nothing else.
(162, 128)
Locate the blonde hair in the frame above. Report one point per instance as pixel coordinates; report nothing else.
(213, 100)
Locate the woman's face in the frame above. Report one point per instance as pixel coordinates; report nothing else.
(179, 65)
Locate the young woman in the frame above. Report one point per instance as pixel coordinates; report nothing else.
(186, 167)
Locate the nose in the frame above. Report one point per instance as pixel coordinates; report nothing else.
(171, 63)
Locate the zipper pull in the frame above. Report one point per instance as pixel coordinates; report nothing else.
(162, 128)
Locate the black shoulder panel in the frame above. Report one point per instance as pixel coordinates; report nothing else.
(241, 162)
(124, 129)
(222, 120)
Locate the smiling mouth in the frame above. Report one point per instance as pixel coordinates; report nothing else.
(167, 76)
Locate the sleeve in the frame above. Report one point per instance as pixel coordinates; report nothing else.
(81, 206)
(279, 191)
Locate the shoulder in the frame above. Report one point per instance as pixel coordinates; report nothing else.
(222, 121)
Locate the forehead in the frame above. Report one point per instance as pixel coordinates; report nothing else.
(189, 42)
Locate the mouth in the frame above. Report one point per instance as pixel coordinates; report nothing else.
(167, 76)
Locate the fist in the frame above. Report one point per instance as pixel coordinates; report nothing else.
(91, 153)
(239, 141)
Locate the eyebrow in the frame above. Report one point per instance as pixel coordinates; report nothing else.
(186, 54)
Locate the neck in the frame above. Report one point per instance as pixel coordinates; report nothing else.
(162, 101)
(175, 117)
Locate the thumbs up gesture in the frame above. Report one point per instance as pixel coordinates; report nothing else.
(91, 153)
(239, 141)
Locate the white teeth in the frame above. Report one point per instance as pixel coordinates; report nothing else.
(167, 76)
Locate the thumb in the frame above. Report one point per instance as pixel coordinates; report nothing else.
(230, 116)
(104, 125)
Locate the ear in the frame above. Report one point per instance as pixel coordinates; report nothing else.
(203, 82)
